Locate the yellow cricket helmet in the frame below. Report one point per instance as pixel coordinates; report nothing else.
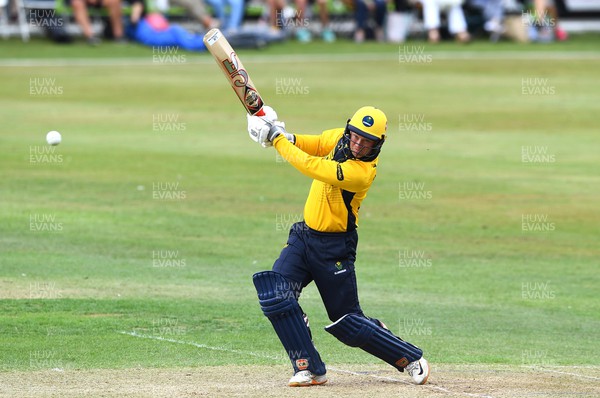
(371, 123)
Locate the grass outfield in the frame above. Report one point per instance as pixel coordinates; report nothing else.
(478, 240)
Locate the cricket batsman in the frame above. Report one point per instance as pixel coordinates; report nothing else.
(322, 248)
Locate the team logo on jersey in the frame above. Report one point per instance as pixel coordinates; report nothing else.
(302, 364)
(340, 173)
(368, 121)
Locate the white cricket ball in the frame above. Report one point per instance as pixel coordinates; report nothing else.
(53, 138)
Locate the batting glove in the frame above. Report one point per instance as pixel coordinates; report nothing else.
(277, 130)
(258, 129)
(270, 114)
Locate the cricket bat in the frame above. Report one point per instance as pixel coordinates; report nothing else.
(234, 71)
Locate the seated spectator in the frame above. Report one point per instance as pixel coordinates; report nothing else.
(399, 21)
(299, 21)
(303, 34)
(80, 12)
(232, 20)
(364, 10)
(457, 24)
(545, 22)
(194, 7)
(493, 15)
(559, 33)
(154, 30)
(273, 14)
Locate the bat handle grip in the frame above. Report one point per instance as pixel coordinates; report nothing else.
(261, 112)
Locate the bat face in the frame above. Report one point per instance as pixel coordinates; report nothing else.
(234, 71)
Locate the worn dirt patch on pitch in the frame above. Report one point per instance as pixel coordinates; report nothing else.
(270, 381)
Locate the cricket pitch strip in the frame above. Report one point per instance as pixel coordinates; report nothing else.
(446, 380)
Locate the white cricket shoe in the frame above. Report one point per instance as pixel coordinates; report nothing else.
(305, 378)
(419, 371)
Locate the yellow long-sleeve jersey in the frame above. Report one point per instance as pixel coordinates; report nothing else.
(339, 184)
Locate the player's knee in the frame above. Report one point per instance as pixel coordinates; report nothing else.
(335, 316)
(275, 293)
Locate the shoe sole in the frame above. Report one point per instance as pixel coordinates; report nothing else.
(312, 383)
(424, 380)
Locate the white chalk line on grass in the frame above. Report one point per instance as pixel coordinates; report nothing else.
(564, 373)
(260, 355)
(282, 58)
(198, 345)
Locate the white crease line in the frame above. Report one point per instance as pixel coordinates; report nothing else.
(254, 354)
(579, 367)
(564, 373)
(370, 375)
(437, 388)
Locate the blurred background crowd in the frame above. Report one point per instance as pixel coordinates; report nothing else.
(255, 23)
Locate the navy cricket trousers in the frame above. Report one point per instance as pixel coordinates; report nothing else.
(326, 258)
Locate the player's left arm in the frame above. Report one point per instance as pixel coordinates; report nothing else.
(350, 176)
(318, 145)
